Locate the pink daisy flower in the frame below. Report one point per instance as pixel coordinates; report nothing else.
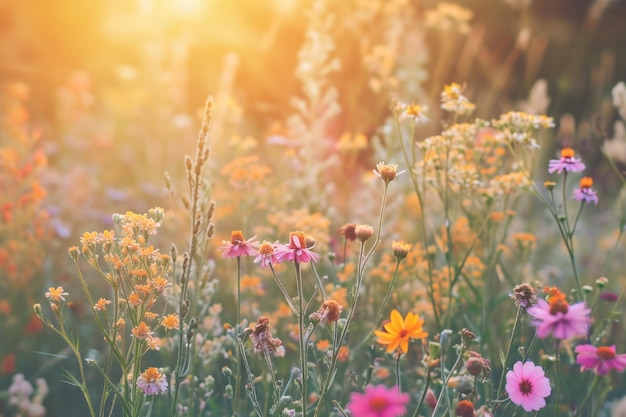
(267, 254)
(528, 386)
(378, 401)
(152, 382)
(567, 163)
(600, 359)
(585, 193)
(560, 319)
(238, 246)
(296, 250)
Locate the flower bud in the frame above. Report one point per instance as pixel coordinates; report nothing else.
(37, 310)
(549, 185)
(363, 232)
(400, 249)
(474, 366)
(602, 281)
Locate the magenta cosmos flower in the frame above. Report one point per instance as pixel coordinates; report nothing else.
(600, 359)
(567, 163)
(152, 382)
(585, 193)
(378, 401)
(559, 318)
(238, 246)
(528, 386)
(296, 250)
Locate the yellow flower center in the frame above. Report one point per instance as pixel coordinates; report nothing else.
(266, 249)
(414, 110)
(378, 403)
(605, 352)
(567, 153)
(151, 374)
(301, 238)
(586, 182)
(236, 237)
(559, 306)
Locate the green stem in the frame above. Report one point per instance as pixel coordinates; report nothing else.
(238, 353)
(382, 306)
(413, 175)
(590, 392)
(508, 352)
(398, 379)
(423, 397)
(301, 339)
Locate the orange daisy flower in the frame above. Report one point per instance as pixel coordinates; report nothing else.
(398, 331)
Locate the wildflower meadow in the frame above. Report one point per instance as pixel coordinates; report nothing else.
(369, 208)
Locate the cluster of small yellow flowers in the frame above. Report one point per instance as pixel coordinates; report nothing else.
(518, 127)
(245, 172)
(349, 142)
(449, 17)
(413, 112)
(473, 268)
(524, 240)
(507, 184)
(449, 156)
(102, 304)
(454, 101)
(136, 271)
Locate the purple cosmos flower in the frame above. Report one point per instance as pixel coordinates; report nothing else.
(238, 246)
(567, 163)
(600, 359)
(585, 193)
(152, 382)
(296, 250)
(378, 401)
(528, 386)
(560, 319)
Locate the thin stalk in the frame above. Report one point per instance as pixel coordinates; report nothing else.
(447, 379)
(301, 339)
(382, 306)
(270, 368)
(284, 291)
(590, 392)
(508, 351)
(362, 260)
(558, 379)
(410, 165)
(238, 353)
(398, 379)
(423, 396)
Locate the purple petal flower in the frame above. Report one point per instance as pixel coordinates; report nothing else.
(560, 319)
(238, 246)
(567, 163)
(600, 359)
(296, 250)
